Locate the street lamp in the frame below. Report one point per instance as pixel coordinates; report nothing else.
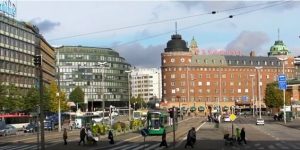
(102, 66)
(252, 77)
(59, 113)
(259, 98)
(283, 59)
(129, 105)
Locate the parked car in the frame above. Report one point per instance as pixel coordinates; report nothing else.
(48, 125)
(260, 122)
(8, 130)
(226, 118)
(30, 128)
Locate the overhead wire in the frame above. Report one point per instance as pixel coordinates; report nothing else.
(161, 21)
(196, 25)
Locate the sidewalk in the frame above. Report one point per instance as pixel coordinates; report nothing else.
(292, 124)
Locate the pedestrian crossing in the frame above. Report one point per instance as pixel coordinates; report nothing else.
(19, 147)
(266, 146)
(131, 146)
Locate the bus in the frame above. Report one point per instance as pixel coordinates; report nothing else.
(18, 120)
(158, 123)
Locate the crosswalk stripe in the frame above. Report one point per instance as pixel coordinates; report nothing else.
(119, 147)
(294, 146)
(159, 148)
(31, 147)
(281, 146)
(271, 147)
(140, 147)
(130, 147)
(19, 147)
(4, 147)
(151, 147)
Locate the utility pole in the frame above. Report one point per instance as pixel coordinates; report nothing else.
(38, 61)
(58, 88)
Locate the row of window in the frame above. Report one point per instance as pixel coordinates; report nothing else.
(16, 31)
(224, 69)
(16, 79)
(16, 68)
(90, 57)
(207, 99)
(236, 62)
(209, 91)
(95, 85)
(16, 43)
(16, 55)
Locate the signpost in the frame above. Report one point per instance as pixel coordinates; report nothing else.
(282, 82)
(232, 117)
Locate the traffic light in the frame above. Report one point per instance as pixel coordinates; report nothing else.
(178, 112)
(37, 60)
(171, 112)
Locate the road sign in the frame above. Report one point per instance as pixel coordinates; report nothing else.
(232, 117)
(282, 82)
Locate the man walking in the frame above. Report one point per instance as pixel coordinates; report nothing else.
(243, 136)
(82, 136)
(65, 136)
(191, 138)
(164, 140)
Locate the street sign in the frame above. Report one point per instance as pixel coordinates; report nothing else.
(282, 82)
(232, 117)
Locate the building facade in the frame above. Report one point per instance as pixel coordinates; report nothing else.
(146, 83)
(209, 80)
(100, 72)
(19, 43)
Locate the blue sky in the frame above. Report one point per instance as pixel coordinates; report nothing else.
(254, 30)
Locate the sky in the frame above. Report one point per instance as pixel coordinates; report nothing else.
(140, 30)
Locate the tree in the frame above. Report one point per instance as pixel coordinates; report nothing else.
(138, 101)
(11, 99)
(54, 99)
(2, 96)
(77, 96)
(274, 96)
(31, 100)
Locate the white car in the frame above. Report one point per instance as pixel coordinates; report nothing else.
(260, 122)
(226, 119)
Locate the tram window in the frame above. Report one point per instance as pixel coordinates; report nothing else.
(156, 124)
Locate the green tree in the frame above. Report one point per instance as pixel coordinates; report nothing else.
(138, 101)
(2, 96)
(273, 96)
(54, 98)
(31, 100)
(77, 96)
(11, 100)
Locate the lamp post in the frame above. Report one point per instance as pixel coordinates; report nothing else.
(59, 113)
(252, 77)
(284, 113)
(259, 97)
(195, 80)
(102, 65)
(129, 105)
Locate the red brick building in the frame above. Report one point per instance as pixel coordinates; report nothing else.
(209, 80)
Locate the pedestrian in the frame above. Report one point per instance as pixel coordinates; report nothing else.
(90, 136)
(238, 135)
(191, 138)
(65, 136)
(111, 137)
(82, 136)
(164, 140)
(243, 136)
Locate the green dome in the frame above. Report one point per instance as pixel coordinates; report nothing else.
(278, 49)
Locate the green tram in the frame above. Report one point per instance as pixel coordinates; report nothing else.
(158, 122)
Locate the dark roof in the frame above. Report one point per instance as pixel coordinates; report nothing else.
(176, 44)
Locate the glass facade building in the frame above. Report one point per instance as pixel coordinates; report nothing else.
(100, 72)
(19, 43)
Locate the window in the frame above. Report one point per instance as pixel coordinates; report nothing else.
(172, 83)
(239, 91)
(208, 83)
(173, 91)
(172, 60)
(231, 83)
(182, 60)
(182, 75)
(172, 76)
(208, 91)
(207, 76)
(199, 83)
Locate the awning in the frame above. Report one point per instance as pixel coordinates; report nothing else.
(201, 108)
